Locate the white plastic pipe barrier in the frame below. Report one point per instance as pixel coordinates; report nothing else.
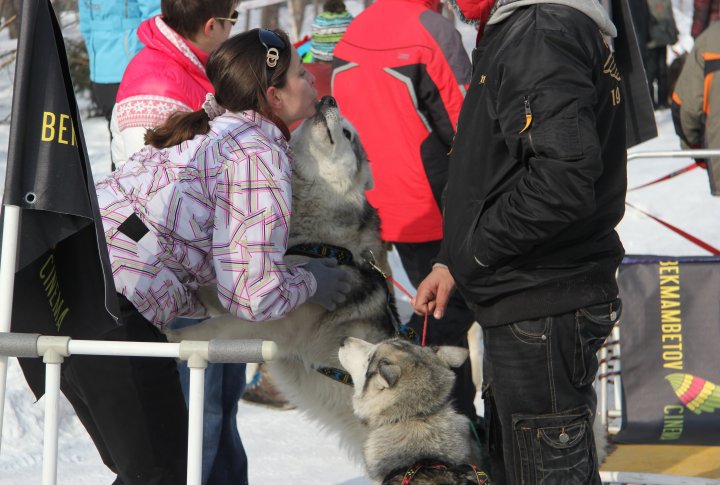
(197, 353)
(704, 153)
(196, 403)
(656, 479)
(53, 350)
(603, 383)
(8, 260)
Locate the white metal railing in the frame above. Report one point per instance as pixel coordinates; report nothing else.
(704, 153)
(8, 262)
(53, 350)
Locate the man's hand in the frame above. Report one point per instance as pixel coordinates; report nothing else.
(434, 292)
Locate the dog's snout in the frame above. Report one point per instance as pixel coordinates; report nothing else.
(329, 101)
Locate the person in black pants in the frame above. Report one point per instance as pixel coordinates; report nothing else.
(144, 390)
(161, 256)
(536, 186)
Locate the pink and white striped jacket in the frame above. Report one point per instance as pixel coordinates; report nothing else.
(218, 211)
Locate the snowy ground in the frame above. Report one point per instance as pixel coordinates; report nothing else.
(283, 447)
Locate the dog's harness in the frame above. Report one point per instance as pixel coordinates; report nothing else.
(410, 473)
(345, 257)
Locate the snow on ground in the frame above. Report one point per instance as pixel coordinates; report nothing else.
(283, 447)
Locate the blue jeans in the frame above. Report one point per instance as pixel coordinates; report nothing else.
(540, 402)
(224, 461)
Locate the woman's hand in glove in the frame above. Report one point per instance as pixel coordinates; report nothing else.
(333, 283)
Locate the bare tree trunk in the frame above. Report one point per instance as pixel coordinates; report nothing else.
(296, 8)
(269, 17)
(9, 11)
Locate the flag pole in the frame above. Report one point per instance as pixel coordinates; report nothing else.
(8, 259)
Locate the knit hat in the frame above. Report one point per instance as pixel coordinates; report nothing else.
(327, 29)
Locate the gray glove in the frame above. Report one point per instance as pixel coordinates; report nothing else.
(333, 283)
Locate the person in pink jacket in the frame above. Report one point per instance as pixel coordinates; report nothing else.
(168, 74)
(207, 203)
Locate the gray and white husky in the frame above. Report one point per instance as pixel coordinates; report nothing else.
(402, 394)
(330, 177)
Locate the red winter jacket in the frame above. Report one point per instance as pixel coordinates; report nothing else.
(166, 76)
(399, 76)
(168, 66)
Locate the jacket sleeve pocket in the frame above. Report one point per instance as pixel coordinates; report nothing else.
(556, 135)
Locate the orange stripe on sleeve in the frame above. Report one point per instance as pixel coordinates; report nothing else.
(706, 92)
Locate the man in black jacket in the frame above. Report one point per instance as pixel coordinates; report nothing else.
(536, 187)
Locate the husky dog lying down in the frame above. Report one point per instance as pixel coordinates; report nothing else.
(402, 394)
(330, 217)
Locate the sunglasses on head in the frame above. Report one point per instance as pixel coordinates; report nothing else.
(273, 44)
(233, 18)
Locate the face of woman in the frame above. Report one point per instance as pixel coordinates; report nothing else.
(298, 95)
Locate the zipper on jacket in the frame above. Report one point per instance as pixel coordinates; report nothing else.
(528, 122)
(528, 115)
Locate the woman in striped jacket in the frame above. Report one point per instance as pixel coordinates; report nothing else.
(207, 202)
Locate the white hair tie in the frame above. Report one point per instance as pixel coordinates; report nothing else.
(211, 106)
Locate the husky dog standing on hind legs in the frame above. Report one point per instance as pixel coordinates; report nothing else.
(331, 217)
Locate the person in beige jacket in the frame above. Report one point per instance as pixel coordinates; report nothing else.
(696, 100)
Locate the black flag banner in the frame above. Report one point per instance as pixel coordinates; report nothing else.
(63, 282)
(669, 341)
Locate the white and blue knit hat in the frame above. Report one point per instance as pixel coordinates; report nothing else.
(328, 28)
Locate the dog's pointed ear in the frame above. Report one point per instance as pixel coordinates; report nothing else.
(451, 355)
(388, 375)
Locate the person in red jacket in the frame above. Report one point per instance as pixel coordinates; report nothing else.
(399, 76)
(168, 74)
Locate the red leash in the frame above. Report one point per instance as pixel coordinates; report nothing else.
(668, 176)
(392, 280)
(407, 293)
(677, 230)
(713, 250)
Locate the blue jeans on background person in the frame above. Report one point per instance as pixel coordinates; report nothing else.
(224, 461)
(540, 402)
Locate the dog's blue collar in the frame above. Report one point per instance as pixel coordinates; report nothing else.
(344, 377)
(322, 250)
(336, 375)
